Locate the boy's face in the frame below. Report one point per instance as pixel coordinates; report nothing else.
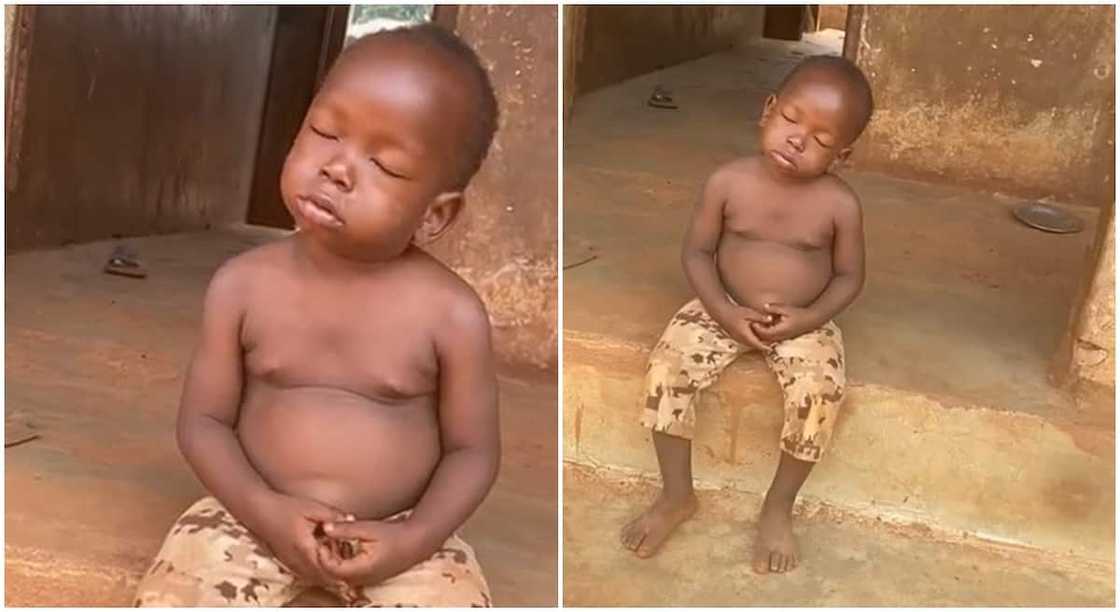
(372, 165)
(806, 127)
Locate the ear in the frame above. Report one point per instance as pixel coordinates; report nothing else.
(441, 214)
(841, 158)
(767, 108)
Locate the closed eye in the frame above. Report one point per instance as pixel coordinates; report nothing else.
(386, 170)
(823, 143)
(787, 118)
(322, 134)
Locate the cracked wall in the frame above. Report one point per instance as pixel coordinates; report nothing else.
(1013, 99)
(505, 243)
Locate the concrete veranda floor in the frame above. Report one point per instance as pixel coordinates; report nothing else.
(963, 306)
(95, 363)
(961, 300)
(844, 563)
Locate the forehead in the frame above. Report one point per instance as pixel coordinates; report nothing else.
(825, 96)
(403, 78)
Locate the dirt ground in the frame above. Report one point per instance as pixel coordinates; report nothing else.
(94, 364)
(843, 564)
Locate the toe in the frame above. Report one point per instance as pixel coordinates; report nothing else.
(775, 561)
(787, 563)
(626, 534)
(645, 548)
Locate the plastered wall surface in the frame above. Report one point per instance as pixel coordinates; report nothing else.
(505, 242)
(1094, 350)
(1013, 99)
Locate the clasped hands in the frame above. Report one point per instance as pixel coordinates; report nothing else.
(775, 323)
(328, 547)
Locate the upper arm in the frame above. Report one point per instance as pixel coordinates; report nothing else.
(848, 252)
(707, 218)
(214, 378)
(468, 385)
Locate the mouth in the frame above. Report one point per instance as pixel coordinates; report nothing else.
(783, 160)
(320, 210)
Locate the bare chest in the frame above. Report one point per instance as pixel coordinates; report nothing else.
(803, 225)
(372, 347)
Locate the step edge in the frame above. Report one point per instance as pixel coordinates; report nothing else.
(906, 524)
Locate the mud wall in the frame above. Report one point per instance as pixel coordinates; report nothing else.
(139, 120)
(619, 42)
(505, 242)
(834, 16)
(1018, 99)
(1094, 331)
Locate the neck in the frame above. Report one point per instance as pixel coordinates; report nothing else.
(326, 262)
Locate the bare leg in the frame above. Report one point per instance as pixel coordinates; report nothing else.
(676, 503)
(775, 549)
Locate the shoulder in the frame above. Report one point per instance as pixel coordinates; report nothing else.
(237, 273)
(239, 278)
(456, 304)
(843, 199)
(733, 172)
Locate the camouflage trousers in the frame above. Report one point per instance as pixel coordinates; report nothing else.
(211, 560)
(694, 349)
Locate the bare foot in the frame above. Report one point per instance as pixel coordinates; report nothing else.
(645, 534)
(775, 549)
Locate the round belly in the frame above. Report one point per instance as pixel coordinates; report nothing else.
(756, 272)
(342, 449)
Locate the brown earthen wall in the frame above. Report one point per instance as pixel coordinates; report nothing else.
(620, 42)
(832, 16)
(505, 242)
(1094, 342)
(139, 120)
(1018, 99)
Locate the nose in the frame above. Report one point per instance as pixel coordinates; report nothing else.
(337, 171)
(798, 141)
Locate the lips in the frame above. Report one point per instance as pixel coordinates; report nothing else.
(783, 160)
(320, 210)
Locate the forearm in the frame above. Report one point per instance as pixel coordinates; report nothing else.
(460, 483)
(700, 270)
(839, 293)
(217, 458)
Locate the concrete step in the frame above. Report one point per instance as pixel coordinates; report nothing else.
(898, 455)
(844, 562)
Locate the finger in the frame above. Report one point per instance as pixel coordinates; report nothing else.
(753, 340)
(751, 314)
(322, 513)
(349, 569)
(359, 530)
(310, 552)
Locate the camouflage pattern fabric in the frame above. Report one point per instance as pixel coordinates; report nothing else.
(693, 351)
(210, 559)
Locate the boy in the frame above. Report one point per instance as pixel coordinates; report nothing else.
(341, 406)
(774, 252)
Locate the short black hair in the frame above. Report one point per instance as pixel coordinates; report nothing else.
(486, 104)
(848, 72)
